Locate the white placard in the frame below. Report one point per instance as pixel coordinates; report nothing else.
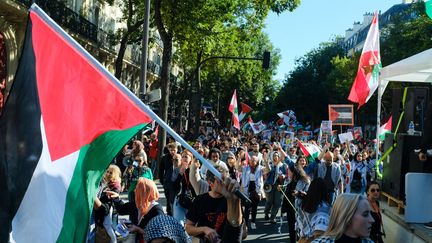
(345, 137)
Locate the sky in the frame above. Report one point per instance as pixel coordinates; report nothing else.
(315, 21)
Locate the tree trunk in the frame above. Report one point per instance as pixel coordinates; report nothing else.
(167, 40)
(196, 96)
(120, 56)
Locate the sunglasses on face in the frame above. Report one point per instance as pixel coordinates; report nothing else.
(375, 190)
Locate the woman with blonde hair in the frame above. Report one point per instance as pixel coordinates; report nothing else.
(103, 203)
(350, 220)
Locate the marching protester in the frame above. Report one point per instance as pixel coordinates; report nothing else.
(275, 174)
(314, 213)
(153, 152)
(146, 202)
(215, 155)
(357, 175)
(373, 195)
(289, 202)
(103, 204)
(216, 216)
(252, 182)
(350, 220)
(183, 200)
(329, 171)
(138, 169)
(165, 173)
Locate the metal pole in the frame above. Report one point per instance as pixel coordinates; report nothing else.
(144, 51)
(378, 118)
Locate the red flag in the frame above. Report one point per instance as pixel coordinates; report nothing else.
(234, 110)
(366, 81)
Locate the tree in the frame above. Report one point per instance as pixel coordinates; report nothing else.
(133, 17)
(191, 21)
(306, 89)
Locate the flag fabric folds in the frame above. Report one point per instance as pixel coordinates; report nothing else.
(311, 151)
(257, 127)
(244, 110)
(385, 128)
(64, 121)
(287, 117)
(366, 81)
(234, 110)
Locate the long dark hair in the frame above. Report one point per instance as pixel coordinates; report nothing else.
(316, 194)
(298, 172)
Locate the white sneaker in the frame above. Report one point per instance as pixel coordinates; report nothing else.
(253, 225)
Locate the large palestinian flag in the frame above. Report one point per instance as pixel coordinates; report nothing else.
(65, 119)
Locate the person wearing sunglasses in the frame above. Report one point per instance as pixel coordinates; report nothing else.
(373, 195)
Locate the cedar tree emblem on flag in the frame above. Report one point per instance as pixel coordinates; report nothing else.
(366, 81)
(234, 110)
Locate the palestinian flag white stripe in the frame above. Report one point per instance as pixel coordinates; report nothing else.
(47, 193)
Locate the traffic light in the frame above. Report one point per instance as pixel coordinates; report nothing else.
(266, 60)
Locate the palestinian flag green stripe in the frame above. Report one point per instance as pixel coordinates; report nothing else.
(88, 172)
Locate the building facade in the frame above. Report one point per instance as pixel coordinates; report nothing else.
(355, 36)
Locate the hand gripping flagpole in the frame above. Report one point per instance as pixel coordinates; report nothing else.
(37, 10)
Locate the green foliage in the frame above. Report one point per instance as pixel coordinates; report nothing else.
(307, 89)
(325, 75)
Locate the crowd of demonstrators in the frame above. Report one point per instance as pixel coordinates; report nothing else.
(268, 170)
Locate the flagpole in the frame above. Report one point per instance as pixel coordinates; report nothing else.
(377, 148)
(131, 95)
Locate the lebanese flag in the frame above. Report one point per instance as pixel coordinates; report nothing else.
(234, 110)
(244, 110)
(366, 81)
(311, 151)
(64, 121)
(386, 128)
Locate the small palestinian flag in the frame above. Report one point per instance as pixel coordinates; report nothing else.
(311, 151)
(384, 129)
(64, 121)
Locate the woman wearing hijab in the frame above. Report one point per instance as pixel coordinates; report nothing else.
(146, 201)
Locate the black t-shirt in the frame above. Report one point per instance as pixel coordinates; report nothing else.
(346, 239)
(208, 211)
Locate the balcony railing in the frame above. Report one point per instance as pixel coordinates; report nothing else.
(73, 21)
(76, 23)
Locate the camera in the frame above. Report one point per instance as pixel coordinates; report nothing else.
(135, 163)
